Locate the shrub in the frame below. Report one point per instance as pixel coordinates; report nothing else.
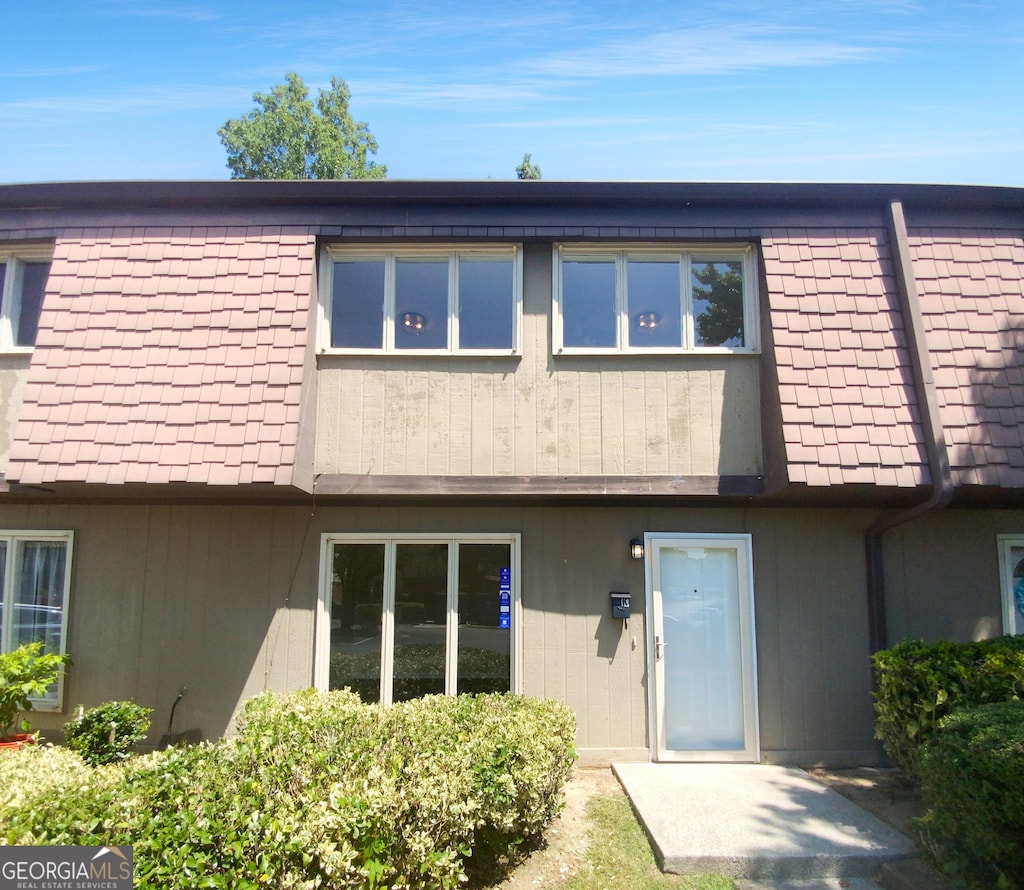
(972, 782)
(919, 683)
(25, 673)
(108, 732)
(322, 790)
(34, 770)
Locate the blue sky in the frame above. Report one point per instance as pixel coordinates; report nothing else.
(847, 90)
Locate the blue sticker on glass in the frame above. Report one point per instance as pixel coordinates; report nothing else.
(504, 621)
(504, 598)
(505, 575)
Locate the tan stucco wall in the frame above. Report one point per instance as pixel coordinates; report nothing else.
(538, 414)
(221, 600)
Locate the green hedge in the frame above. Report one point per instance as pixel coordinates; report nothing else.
(322, 790)
(972, 782)
(919, 683)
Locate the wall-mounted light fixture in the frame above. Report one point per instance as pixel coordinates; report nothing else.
(648, 321)
(636, 549)
(413, 321)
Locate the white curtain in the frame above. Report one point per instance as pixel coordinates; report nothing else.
(39, 594)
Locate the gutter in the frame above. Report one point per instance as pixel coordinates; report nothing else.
(931, 428)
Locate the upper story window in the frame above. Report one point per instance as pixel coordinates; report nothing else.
(422, 300)
(22, 284)
(647, 298)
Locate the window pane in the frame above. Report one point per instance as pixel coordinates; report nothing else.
(484, 638)
(588, 303)
(485, 304)
(718, 302)
(357, 310)
(421, 304)
(33, 285)
(38, 601)
(357, 604)
(421, 613)
(653, 303)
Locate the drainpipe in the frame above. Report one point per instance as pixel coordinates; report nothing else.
(931, 427)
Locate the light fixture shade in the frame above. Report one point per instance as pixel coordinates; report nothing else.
(648, 321)
(636, 549)
(413, 320)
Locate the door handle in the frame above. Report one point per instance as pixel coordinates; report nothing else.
(659, 648)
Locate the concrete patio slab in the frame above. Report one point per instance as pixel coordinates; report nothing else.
(756, 822)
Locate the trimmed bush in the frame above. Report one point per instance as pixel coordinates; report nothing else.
(108, 732)
(322, 790)
(972, 782)
(918, 684)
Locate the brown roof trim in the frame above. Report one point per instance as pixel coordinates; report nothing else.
(138, 194)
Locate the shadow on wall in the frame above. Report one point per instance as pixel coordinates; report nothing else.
(988, 444)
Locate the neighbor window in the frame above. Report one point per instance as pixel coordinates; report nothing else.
(403, 617)
(35, 572)
(22, 284)
(1011, 570)
(423, 299)
(654, 299)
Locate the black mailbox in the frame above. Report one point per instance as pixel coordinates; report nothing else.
(620, 604)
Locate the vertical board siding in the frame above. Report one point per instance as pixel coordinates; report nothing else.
(222, 600)
(469, 420)
(13, 374)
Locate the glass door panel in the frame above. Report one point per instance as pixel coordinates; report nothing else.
(702, 656)
(421, 613)
(357, 605)
(704, 695)
(484, 647)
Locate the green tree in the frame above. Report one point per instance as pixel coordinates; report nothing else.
(719, 287)
(527, 169)
(286, 137)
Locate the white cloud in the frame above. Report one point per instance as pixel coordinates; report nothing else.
(705, 50)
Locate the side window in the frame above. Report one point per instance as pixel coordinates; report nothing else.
(644, 298)
(423, 300)
(1011, 569)
(35, 574)
(22, 285)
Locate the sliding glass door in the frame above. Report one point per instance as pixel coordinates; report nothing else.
(402, 617)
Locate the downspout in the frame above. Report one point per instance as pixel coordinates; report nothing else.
(931, 427)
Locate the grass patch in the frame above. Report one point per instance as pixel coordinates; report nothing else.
(620, 858)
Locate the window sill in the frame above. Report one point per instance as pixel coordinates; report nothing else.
(636, 353)
(420, 353)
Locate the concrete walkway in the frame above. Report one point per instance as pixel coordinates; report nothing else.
(756, 822)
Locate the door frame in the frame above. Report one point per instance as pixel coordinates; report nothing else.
(741, 544)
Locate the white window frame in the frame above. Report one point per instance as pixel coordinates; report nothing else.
(1012, 623)
(14, 258)
(11, 537)
(322, 646)
(620, 254)
(390, 254)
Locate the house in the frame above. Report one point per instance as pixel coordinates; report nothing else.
(680, 455)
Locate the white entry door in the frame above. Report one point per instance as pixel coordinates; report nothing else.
(701, 647)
